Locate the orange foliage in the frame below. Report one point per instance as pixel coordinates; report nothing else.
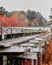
(48, 51)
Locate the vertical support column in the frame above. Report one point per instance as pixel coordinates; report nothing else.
(37, 61)
(1, 59)
(41, 51)
(4, 60)
(11, 32)
(2, 33)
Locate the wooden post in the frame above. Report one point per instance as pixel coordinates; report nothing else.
(2, 33)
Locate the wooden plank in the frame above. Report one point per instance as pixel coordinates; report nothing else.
(13, 49)
(7, 43)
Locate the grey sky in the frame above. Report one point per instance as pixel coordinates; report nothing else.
(43, 6)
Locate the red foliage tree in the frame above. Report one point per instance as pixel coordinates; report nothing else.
(15, 21)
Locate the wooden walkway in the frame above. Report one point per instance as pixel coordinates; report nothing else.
(14, 41)
(10, 42)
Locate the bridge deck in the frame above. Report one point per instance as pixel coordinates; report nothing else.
(7, 43)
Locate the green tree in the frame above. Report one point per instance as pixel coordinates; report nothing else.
(2, 11)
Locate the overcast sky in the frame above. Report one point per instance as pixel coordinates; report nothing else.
(42, 6)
